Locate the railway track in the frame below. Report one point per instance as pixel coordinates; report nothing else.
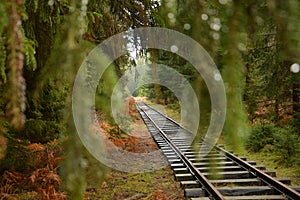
(215, 174)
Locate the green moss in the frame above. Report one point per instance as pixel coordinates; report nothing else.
(119, 185)
(272, 162)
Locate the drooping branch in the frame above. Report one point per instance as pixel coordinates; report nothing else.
(15, 58)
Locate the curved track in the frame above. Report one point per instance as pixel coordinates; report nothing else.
(217, 174)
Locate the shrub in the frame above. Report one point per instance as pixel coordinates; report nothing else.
(40, 131)
(16, 156)
(260, 136)
(286, 145)
(174, 106)
(284, 142)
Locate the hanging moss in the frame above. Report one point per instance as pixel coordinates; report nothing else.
(16, 81)
(3, 56)
(234, 78)
(3, 17)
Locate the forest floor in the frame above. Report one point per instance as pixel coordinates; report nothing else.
(156, 185)
(42, 181)
(271, 162)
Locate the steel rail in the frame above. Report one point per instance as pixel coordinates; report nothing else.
(164, 115)
(275, 184)
(282, 188)
(212, 191)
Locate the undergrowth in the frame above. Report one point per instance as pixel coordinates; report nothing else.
(283, 142)
(31, 168)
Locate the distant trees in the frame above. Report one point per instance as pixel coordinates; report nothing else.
(273, 49)
(254, 44)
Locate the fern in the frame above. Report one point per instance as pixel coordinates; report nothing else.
(29, 50)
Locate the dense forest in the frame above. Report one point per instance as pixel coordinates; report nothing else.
(255, 44)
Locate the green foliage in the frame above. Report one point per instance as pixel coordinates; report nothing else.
(174, 106)
(143, 91)
(3, 17)
(260, 136)
(16, 156)
(29, 48)
(283, 142)
(52, 46)
(40, 131)
(287, 146)
(104, 90)
(272, 48)
(44, 114)
(163, 94)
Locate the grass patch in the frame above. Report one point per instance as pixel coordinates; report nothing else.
(272, 162)
(120, 185)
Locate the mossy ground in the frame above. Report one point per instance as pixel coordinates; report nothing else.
(117, 185)
(271, 162)
(155, 185)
